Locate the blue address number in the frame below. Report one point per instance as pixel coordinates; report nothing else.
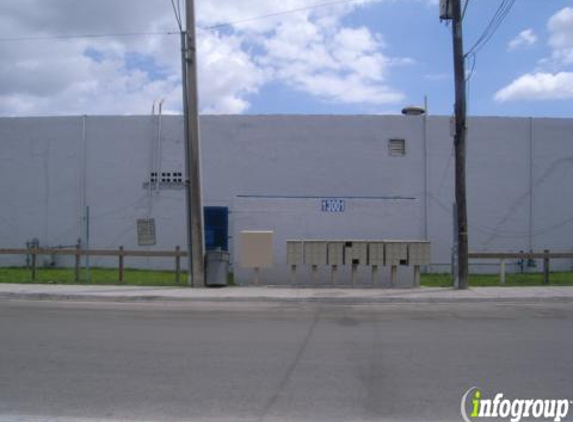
(332, 205)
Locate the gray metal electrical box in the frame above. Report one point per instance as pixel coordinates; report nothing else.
(335, 253)
(419, 253)
(294, 252)
(146, 232)
(376, 254)
(396, 253)
(356, 253)
(315, 252)
(256, 248)
(446, 10)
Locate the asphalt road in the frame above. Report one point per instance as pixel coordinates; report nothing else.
(272, 362)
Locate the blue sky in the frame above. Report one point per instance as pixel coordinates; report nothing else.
(417, 33)
(359, 57)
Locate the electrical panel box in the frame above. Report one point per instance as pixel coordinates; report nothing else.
(146, 232)
(356, 253)
(446, 10)
(315, 252)
(376, 254)
(396, 253)
(419, 253)
(256, 249)
(335, 253)
(294, 252)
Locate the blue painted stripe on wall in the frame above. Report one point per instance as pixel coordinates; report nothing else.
(325, 197)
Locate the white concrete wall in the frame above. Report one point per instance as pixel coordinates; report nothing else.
(251, 162)
(365, 218)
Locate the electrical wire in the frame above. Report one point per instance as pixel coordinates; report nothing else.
(178, 16)
(469, 77)
(465, 9)
(446, 170)
(282, 13)
(176, 11)
(82, 36)
(506, 234)
(497, 19)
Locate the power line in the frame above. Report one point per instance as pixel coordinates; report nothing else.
(282, 13)
(177, 11)
(497, 19)
(84, 36)
(465, 9)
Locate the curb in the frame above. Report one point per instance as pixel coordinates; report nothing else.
(291, 300)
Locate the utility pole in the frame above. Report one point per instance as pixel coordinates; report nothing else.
(460, 144)
(194, 200)
(452, 9)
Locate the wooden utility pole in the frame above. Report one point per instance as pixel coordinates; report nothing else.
(460, 143)
(194, 200)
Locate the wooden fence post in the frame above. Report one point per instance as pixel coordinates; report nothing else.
(35, 263)
(77, 264)
(546, 267)
(502, 271)
(177, 265)
(121, 264)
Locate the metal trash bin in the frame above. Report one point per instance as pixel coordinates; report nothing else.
(216, 268)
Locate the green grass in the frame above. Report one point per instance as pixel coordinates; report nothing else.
(492, 280)
(132, 277)
(96, 276)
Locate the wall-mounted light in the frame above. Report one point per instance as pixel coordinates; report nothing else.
(413, 110)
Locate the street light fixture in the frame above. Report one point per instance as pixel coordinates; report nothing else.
(413, 110)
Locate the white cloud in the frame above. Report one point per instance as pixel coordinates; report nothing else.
(331, 62)
(555, 82)
(561, 39)
(538, 86)
(525, 38)
(226, 74)
(312, 51)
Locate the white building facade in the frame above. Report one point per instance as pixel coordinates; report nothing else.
(390, 177)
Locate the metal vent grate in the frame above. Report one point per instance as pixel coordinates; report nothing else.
(397, 147)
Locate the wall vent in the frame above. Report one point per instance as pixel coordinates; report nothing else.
(397, 147)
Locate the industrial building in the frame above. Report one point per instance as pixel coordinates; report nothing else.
(301, 176)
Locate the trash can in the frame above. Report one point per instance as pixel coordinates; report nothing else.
(216, 268)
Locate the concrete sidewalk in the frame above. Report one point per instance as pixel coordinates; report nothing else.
(285, 294)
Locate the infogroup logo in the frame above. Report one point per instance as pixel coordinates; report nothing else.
(475, 407)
